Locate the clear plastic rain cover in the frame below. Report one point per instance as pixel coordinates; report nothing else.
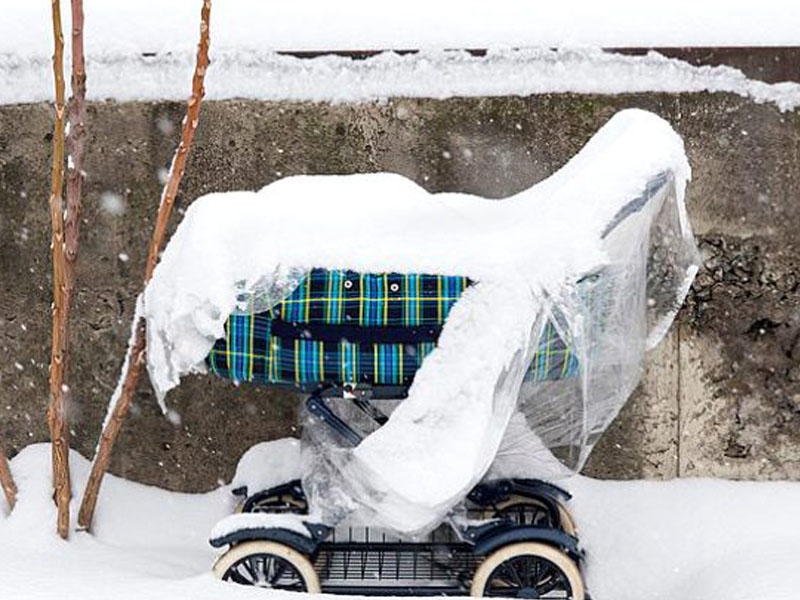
(573, 279)
(607, 319)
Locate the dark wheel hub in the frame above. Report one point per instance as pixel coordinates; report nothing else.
(529, 513)
(267, 571)
(528, 577)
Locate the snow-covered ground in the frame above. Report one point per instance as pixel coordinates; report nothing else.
(693, 539)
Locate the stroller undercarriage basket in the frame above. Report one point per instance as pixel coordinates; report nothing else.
(360, 559)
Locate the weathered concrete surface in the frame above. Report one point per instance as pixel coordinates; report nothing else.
(720, 397)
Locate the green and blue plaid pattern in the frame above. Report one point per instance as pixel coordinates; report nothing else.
(368, 299)
(250, 353)
(251, 350)
(553, 359)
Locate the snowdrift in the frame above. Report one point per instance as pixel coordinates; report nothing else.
(602, 250)
(693, 538)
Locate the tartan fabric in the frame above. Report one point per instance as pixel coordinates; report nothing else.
(251, 351)
(553, 359)
(370, 299)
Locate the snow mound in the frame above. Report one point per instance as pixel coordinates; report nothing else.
(268, 464)
(244, 521)
(702, 539)
(693, 538)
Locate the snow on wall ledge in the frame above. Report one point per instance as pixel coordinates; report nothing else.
(161, 26)
(267, 75)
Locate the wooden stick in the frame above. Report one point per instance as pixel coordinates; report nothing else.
(7, 481)
(75, 151)
(136, 350)
(56, 411)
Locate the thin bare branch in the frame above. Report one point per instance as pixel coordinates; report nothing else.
(75, 152)
(56, 412)
(136, 351)
(7, 481)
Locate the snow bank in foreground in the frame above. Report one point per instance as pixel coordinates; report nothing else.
(143, 516)
(694, 538)
(689, 539)
(525, 255)
(264, 75)
(148, 542)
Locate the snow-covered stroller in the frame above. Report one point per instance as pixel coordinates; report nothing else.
(340, 336)
(514, 330)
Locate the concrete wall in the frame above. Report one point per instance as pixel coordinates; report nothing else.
(721, 395)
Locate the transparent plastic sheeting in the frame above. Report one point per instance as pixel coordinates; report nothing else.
(608, 317)
(338, 488)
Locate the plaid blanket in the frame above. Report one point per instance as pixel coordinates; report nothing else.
(345, 327)
(365, 299)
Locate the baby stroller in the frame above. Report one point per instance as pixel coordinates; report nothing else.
(517, 537)
(371, 339)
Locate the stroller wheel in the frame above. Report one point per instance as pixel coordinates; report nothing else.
(270, 503)
(524, 510)
(268, 565)
(528, 570)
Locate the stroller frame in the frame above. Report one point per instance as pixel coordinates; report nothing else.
(503, 514)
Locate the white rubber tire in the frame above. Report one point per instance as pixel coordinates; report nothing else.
(298, 560)
(554, 555)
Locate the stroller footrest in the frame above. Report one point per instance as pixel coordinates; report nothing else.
(317, 407)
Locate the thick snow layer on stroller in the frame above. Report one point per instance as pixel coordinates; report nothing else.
(602, 251)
